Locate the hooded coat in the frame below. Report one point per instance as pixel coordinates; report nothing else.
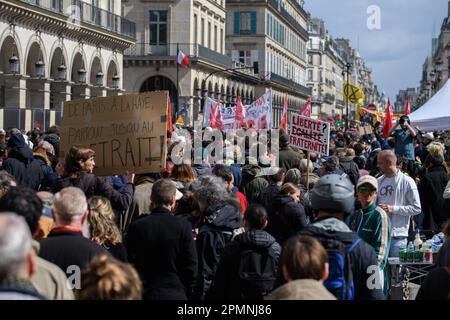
(227, 284)
(22, 166)
(220, 220)
(285, 218)
(253, 182)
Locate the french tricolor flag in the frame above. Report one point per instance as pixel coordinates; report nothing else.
(183, 60)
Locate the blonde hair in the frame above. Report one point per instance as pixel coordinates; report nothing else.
(101, 221)
(107, 278)
(436, 148)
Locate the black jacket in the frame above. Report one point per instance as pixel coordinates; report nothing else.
(216, 231)
(285, 218)
(267, 196)
(162, 249)
(96, 186)
(227, 285)
(362, 256)
(436, 285)
(21, 165)
(69, 248)
(288, 158)
(253, 182)
(49, 176)
(432, 186)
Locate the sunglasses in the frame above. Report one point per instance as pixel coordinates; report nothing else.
(363, 189)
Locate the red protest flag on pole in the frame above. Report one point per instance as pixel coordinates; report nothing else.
(169, 116)
(387, 125)
(183, 59)
(212, 117)
(219, 124)
(306, 110)
(284, 116)
(239, 114)
(407, 111)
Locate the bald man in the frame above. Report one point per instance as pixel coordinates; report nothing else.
(399, 197)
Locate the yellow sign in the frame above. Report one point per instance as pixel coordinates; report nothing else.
(353, 94)
(180, 120)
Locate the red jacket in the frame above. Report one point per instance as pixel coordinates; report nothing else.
(243, 201)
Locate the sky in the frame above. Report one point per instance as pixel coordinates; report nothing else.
(396, 51)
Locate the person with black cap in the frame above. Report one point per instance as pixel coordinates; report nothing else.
(20, 162)
(404, 140)
(333, 198)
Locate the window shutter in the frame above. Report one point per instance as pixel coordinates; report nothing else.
(253, 22)
(237, 16)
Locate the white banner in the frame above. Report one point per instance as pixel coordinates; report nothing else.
(257, 115)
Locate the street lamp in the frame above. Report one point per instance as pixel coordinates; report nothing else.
(40, 66)
(99, 78)
(14, 64)
(115, 79)
(347, 68)
(82, 75)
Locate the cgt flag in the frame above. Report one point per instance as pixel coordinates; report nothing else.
(183, 59)
(306, 109)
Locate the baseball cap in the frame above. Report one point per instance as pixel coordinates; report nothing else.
(368, 179)
(429, 136)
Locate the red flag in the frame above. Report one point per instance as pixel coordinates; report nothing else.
(407, 112)
(239, 114)
(169, 116)
(182, 59)
(212, 117)
(306, 110)
(387, 125)
(284, 117)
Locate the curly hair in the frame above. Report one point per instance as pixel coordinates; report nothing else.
(107, 278)
(102, 226)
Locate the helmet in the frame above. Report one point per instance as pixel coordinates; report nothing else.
(333, 193)
(403, 119)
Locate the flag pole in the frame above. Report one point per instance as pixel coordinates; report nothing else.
(178, 81)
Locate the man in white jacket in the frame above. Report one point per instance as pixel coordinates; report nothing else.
(399, 197)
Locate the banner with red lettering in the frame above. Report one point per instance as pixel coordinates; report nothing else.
(310, 134)
(257, 115)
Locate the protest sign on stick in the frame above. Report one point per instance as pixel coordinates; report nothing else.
(310, 134)
(126, 132)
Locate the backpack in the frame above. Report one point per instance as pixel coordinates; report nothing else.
(257, 272)
(340, 279)
(351, 169)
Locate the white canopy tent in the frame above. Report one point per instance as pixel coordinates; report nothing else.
(434, 115)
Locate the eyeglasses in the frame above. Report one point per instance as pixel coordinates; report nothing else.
(363, 189)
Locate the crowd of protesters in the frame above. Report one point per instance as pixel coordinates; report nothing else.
(305, 229)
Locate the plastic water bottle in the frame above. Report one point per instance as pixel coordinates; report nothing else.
(410, 252)
(417, 240)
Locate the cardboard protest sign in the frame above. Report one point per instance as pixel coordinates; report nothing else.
(310, 134)
(126, 132)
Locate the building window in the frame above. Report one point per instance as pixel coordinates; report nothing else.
(216, 45)
(245, 23)
(209, 35)
(203, 31)
(221, 41)
(245, 57)
(310, 59)
(158, 28)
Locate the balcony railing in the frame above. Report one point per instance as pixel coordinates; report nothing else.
(293, 85)
(195, 51)
(78, 10)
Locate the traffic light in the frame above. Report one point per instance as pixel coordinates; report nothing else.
(256, 67)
